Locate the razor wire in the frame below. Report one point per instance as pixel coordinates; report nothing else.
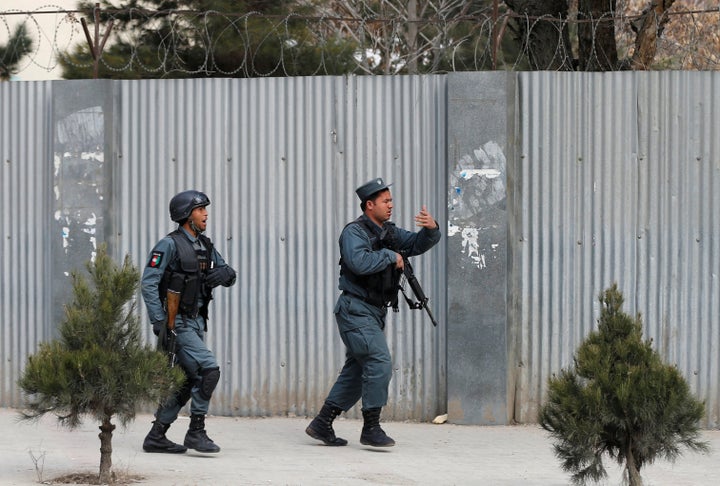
(485, 40)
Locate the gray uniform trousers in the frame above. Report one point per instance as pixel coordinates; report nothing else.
(368, 364)
(194, 357)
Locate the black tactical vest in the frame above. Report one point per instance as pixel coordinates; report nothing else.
(186, 275)
(382, 287)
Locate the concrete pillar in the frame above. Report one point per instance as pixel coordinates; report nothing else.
(479, 117)
(82, 141)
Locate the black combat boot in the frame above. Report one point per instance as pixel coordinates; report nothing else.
(372, 434)
(156, 441)
(196, 437)
(321, 427)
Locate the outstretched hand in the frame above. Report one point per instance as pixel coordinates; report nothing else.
(425, 219)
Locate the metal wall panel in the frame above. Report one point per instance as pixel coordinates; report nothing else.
(280, 159)
(26, 169)
(614, 179)
(617, 180)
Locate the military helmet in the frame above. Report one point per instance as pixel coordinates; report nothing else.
(182, 204)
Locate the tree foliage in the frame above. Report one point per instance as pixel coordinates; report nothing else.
(209, 38)
(597, 35)
(619, 400)
(254, 38)
(19, 45)
(99, 365)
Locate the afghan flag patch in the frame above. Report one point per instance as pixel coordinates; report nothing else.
(155, 259)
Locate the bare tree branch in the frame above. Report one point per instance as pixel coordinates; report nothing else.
(653, 22)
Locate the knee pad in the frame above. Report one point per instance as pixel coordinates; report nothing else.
(208, 381)
(183, 395)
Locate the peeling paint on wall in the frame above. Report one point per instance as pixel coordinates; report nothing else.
(78, 184)
(470, 246)
(82, 129)
(89, 227)
(78, 179)
(477, 183)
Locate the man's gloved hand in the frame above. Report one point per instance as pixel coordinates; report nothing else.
(224, 276)
(157, 327)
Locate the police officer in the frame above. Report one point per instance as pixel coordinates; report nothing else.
(186, 262)
(370, 265)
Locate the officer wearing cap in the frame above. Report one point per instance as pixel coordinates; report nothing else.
(370, 266)
(186, 262)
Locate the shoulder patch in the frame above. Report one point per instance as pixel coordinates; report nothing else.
(155, 259)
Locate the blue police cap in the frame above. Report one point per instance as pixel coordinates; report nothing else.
(371, 187)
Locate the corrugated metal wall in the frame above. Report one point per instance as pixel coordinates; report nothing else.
(614, 180)
(280, 159)
(617, 181)
(26, 166)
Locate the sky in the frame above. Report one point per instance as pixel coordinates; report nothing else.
(54, 29)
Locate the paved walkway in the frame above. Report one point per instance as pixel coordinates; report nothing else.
(276, 451)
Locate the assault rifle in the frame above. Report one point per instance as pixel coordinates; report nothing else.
(422, 299)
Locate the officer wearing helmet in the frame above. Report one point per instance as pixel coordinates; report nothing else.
(186, 262)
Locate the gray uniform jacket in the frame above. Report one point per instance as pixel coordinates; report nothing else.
(162, 255)
(357, 253)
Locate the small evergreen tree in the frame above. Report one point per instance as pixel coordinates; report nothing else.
(99, 365)
(620, 399)
(19, 45)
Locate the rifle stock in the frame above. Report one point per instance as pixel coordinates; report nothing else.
(173, 304)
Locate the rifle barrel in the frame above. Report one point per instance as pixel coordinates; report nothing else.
(432, 317)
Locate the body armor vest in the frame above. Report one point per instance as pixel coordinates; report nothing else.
(382, 287)
(186, 275)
